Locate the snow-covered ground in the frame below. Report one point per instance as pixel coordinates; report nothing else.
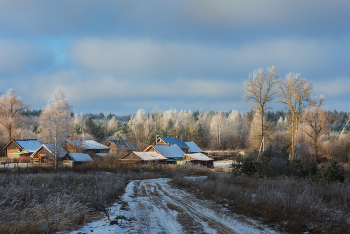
(223, 163)
(13, 165)
(153, 206)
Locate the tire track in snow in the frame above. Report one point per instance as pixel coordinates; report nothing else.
(153, 206)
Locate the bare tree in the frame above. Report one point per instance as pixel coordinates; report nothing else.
(11, 107)
(294, 94)
(56, 119)
(315, 118)
(260, 88)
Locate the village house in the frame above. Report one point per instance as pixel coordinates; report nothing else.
(150, 157)
(20, 150)
(46, 154)
(120, 145)
(173, 153)
(86, 146)
(173, 141)
(76, 159)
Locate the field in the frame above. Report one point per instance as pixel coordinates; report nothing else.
(133, 198)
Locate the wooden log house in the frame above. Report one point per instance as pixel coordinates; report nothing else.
(46, 154)
(19, 151)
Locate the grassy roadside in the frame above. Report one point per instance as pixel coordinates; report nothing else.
(290, 205)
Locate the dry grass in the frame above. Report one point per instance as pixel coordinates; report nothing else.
(291, 205)
(36, 200)
(51, 202)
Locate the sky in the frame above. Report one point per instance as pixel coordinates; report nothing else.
(121, 56)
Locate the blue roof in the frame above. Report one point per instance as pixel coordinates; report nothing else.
(29, 145)
(88, 144)
(120, 144)
(169, 151)
(175, 141)
(193, 147)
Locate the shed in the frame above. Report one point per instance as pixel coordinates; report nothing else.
(46, 153)
(20, 150)
(75, 159)
(199, 159)
(143, 157)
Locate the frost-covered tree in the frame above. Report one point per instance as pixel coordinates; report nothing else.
(56, 120)
(11, 107)
(294, 95)
(261, 88)
(316, 121)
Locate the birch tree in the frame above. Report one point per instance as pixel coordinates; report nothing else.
(294, 94)
(56, 119)
(260, 88)
(316, 120)
(11, 107)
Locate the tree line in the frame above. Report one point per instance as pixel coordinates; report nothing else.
(302, 125)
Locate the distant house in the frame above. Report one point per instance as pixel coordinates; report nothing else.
(173, 141)
(87, 146)
(20, 150)
(193, 148)
(46, 154)
(173, 153)
(149, 157)
(199, 159)
(117, 145)
(75, 159)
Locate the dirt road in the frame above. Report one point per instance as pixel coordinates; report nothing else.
(153, 206)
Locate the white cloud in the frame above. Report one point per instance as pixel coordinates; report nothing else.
(333, 87)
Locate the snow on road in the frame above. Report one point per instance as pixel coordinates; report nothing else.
(153, 206)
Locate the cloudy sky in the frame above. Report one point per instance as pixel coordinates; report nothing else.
(120, 56)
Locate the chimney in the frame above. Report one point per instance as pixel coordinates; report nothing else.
(168, 144)
(70, 138)
(118, 139)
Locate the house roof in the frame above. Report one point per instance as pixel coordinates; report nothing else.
(102, 154)
(149, 155)
(88, 144)
(30, 145)
(193, 147)
(169, 151)
(174, 141)
(51, 148)
(120, 144)
(199, 157)
(80, 157)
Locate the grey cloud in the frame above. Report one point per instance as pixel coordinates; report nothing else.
(19, 57)
(147, 59)
(155, 18)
